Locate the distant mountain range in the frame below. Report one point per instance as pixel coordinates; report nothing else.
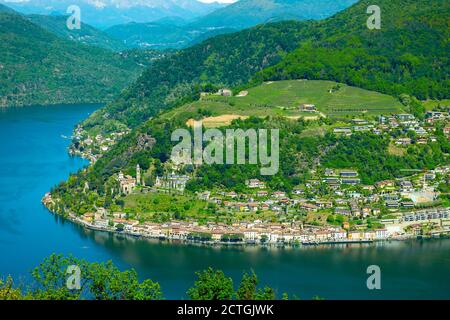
(180, 24)
(248, 13)
(240, 15)
(105, 13)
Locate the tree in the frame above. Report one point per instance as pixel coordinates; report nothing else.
(8, 292)
(211, 285)
(50, 278)
(101, 281)
(248, 289)
(106, 282)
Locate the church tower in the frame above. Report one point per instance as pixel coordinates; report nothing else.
(138, 175)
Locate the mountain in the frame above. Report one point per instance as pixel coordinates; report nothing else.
(106, 13)
(37, 67)
(247, 13)
(224, 60)
(171, 33)
(86, 34)
(6, 9)
(162, 34)
(167, 94)
(408, 55)
(155, 35)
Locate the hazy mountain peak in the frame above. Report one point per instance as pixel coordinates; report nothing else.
(105, 13)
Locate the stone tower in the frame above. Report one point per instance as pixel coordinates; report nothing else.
(138, 175)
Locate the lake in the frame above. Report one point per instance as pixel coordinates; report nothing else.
(33, 158)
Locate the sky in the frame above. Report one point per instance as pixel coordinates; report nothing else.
(205, 1)
(220, 1)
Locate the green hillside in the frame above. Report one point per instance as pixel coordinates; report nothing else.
(409, 55)
(37, 67)
(86, 34)
(283, 98)
(221, 61)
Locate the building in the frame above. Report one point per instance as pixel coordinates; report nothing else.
(225, 93)
(403, 141)
(349, 174)
(204, 195)
(262, 193)
(352, 181)
(126, 183)
(407, 204)
(381, 234)
(254, 183)
(406, 186)
(331, 180)
(308, 107)
(172, 182)
(442, 213)
(392, 204)
(430, 176)
(385, 184)
(447, 131)
(342, 130)
(405, 117)
(278, 194)
(356, 235)
(342, 211)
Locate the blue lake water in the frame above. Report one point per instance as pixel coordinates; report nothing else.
(33, 158)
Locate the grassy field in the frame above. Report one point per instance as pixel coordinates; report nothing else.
(431, 104)
(151, 205)
(282, 98)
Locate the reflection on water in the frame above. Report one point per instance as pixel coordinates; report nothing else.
(410, 269)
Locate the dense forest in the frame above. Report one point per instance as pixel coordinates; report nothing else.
(38, 67)
(409, 54)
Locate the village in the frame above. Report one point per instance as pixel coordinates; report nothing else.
(349, 211)
(394, 206)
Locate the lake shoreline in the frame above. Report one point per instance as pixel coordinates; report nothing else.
(84, 224)
(35, 158)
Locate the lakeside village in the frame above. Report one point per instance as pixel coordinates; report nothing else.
(403, 220)
(393, 209)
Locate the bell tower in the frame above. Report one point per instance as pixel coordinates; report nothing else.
(138, 175)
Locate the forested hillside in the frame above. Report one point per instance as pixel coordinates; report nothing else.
(408, 55)
(221, 61)
(37, 67)
(86, 34)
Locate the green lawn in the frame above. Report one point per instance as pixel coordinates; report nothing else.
(431, 104)
(282, 98)
(150, 205)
